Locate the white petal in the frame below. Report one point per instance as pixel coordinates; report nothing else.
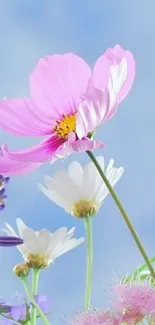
(113, 176)
(31, 241)
(44, 239)
(117, 175)
(70, 245)
(49, 181)
(68, 188)
(118, 75)
(57, 237)
(92, 179)
(75, 171)
(110, 166)
(65, 188)
(10, 231)
(100, 160)
(21, 226)
(53, 196)
(70, 233)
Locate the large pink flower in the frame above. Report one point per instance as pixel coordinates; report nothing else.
(68, 102)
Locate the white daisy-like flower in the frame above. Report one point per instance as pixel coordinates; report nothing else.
(81, 190)
(41, 248)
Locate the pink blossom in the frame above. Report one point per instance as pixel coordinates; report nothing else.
(13, 166)
(96, 317)
(68, 102)
(135, 301)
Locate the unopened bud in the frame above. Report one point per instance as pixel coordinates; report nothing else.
(21, 270)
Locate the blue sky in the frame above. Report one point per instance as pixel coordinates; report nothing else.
(30, 30)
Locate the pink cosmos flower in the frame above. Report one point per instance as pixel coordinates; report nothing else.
(68, 102)
(136, 301)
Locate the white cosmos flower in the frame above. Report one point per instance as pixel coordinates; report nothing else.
(81, 190)
(41, 248)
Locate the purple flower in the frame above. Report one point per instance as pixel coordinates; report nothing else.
(8, 241)
(3, 181)
(19, 312)
(44, 303)
(3, 196)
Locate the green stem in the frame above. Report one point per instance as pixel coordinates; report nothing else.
(35, 279)
(124, 214)
(30, 296)
(89, 238)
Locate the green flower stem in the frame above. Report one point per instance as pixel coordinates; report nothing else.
(30, 296)
(124, 214)
(35, 279)
(89, 238)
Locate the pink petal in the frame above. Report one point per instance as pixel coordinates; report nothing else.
(78, 146)
(21, 117)
(85, 145)
(58, 82)
(39, 153)
(9, 167)
(92, 111)
(118, 66)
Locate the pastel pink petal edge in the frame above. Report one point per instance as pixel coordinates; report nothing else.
(58, 82)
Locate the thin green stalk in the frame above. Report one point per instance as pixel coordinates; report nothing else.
(124, 214)
(35, 279)
(30, 296)
(89, 239)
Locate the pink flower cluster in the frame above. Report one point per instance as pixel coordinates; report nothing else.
(135, 302)
(68, 102)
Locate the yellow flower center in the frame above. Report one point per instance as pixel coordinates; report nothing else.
(65, 126)
(84, 208)
(36, 261)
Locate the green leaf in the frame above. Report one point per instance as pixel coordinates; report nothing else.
(141, 272)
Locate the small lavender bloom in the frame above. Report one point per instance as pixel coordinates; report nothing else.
(3, 196)
(44, 303)
(15, 312)
(8, 241)
(3, 180)
(19, 312)
(6, 179)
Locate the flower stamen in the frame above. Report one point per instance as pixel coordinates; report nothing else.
(65, 126)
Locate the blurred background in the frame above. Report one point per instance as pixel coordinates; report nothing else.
(30, 30)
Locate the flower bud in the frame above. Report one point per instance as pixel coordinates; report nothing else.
(21, 270)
